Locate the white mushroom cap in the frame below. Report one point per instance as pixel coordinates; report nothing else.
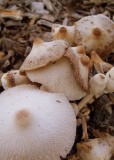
(59, 78)
(13, 78)
(66, 33)
(96, 33)
(96, 149)
(43, 53)
(97, 84)
(110, 80)
(35, 125)
(97, 87)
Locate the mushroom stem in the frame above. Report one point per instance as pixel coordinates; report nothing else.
(85, 100)
(84, 126)
(99, 64)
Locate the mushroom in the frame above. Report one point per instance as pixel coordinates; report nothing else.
(35, 125)
(110, 81)
(97, 86)
(96, 149)
(66, 33)
(11, 13)
(58, 68)
(13, 78)
(95, 32)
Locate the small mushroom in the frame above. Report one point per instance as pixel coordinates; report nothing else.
(110, 81)
(35, 125)
(13, 78)
(11, 13)
(58, 68)
(95, 32)
(97, 86)
(66, 33)
(96, 149)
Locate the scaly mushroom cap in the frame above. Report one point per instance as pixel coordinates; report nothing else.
(14, 78)
(110, 80)
(96, 33)
(55, 71)
(35, 124)
(43, 53)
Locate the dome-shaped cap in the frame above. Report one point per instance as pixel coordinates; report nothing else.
(35, 125)
(96, 33)
(43, 53)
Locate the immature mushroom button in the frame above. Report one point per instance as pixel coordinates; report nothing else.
(66, 33)
(13, 78)
(97, 85)
(35, 125)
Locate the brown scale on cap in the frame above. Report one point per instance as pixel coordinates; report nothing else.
(97, 32)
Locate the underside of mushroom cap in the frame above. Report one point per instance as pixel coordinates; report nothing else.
(81, 72)
(58, 77)
(43, 53)
(96, 33)
(35, 125)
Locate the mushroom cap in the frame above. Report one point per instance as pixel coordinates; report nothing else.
(58, 77)
(43, 53)
(96, 33)
(110, 80)
(97, 83)
(35, 124)
(63, 32)
(96, 149)
(13, 78)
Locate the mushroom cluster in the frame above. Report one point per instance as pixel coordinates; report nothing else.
(37, 112)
